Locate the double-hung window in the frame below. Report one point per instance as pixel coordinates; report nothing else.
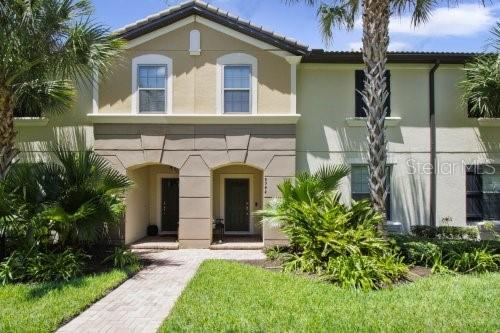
(152, 86)
(237, 88)
(360, 86)
(360, 185)
(483, 193)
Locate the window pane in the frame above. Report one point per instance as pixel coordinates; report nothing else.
(152, 101)
(236, 101)
(491, 180)
(491, 206)
(360, 185)
(237, 77)
(152, 76)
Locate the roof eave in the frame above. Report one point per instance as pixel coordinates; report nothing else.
(226, 21)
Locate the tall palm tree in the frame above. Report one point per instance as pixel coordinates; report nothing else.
(375, 17)
(45, 46)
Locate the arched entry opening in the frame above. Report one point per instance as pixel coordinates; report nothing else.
(237, 194)
(152, 201)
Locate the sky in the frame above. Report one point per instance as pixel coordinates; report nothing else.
(461, 28)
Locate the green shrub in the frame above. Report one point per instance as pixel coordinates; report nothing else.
(424, 231)
(338, 242)
(54, 266)
(461, 256)
(445, 232)
(478, 260)
(122, 258)
(42, 266)
(12, 269)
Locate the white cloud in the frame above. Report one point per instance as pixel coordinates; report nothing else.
(355, 46)
(398, 46)
(463, 20)
(393, 46)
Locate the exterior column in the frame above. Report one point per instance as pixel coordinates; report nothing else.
(279, 169)
(195, 204)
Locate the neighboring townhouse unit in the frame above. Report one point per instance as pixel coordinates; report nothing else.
(208, 113)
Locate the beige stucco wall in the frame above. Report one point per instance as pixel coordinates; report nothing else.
(255, 201)
(326, 99)
(137, 203)
(194, 77)
(70, 127)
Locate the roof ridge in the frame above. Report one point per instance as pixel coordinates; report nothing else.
(215, 10)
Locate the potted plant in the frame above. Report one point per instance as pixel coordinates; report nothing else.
(152, 230)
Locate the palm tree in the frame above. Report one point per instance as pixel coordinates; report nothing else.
(482, 81)
(375, 16)
(45, 46)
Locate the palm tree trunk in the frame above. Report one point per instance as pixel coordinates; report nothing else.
(376, 15)
(7, 133)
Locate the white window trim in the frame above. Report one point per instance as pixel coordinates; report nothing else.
(236, 59)
(151, 59)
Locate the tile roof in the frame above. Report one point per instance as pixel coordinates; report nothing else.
(197, 7)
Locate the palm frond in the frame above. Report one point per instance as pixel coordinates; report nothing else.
(39, 96)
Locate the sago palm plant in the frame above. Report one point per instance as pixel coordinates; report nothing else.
(338, 242)
(78, 196)
(46, 46)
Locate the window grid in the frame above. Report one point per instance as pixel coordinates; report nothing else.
(237, 91)
(151, 87)
(482, 193)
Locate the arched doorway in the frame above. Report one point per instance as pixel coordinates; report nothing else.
(153, 200)
(237, 195)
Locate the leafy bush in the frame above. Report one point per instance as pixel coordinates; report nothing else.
(42, 266)
(122, 258)
(424, 231)
(328, 238)
(461, 256)
(71, 201)
(445, 232)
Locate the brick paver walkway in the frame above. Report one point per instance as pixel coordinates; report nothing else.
(144, 301)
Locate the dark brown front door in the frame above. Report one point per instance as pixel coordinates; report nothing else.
(169, 204)
(237, 205)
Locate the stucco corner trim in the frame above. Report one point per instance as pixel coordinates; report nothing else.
(361, 121)
(30, 121)
(489, 122)
(192, 119)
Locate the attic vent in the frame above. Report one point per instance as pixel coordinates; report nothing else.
(194, 42)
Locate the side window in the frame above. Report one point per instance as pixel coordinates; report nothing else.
(359, 86)
(152, 85)
(360, 187)
(237, 88)
(483, 193)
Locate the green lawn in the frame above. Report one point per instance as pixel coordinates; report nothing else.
(42, 307)
(231, 297)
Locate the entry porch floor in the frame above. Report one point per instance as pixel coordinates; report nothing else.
(230, 242)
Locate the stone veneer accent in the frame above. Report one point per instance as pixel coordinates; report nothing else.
(196, 150)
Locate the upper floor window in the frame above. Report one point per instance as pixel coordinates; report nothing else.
(236, 83)
(360, 185)
(360, 86)
(483, 192)
(151, 84)
(152, 88)
(237, 88)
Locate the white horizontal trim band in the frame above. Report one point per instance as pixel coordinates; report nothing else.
(361, 121)
(193, 119)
